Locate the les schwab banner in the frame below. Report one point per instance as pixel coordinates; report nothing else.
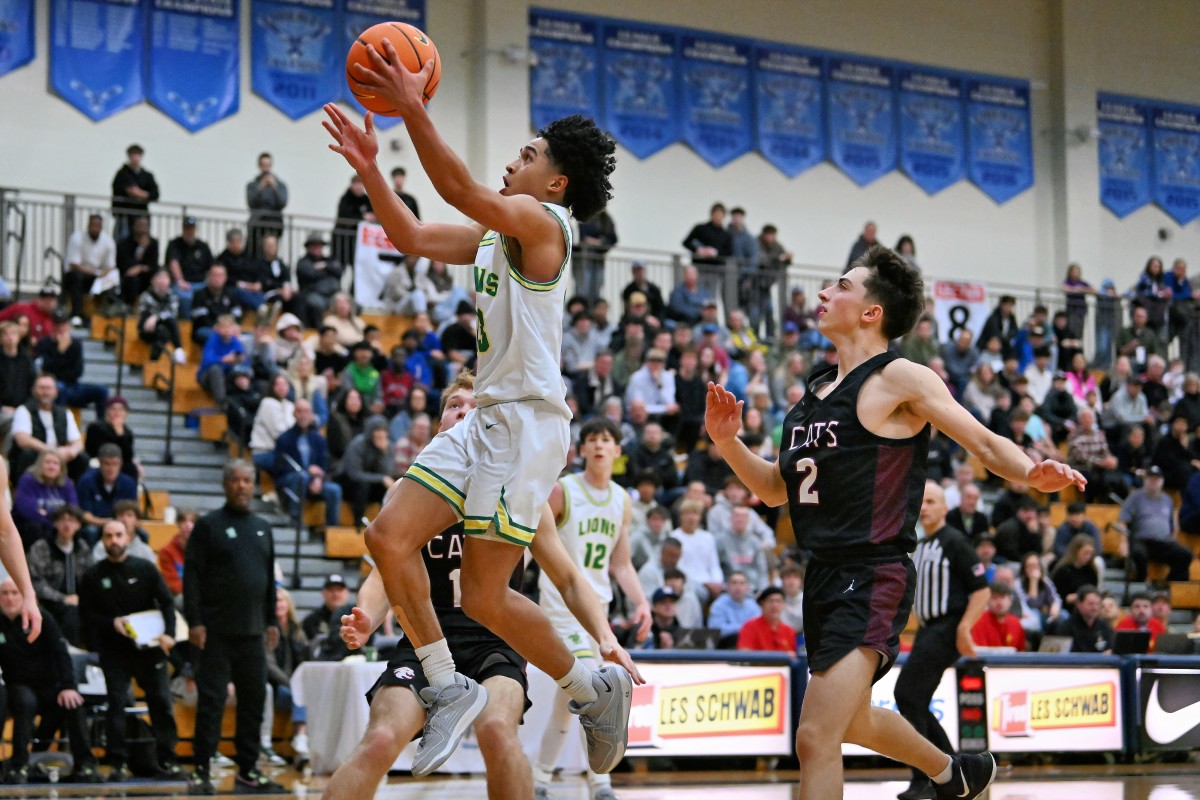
(1034, 710)
(698, 709)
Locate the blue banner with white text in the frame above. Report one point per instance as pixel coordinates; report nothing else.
(1176, 132)
(96, 54)
(718, 112)
(789, 93)
(16, 34)
(1125, 157)
(565, 79)
(862, 118)
(195, 59)
(292, 45)
(362, 14)
(932, 131)
(641, 108)
(999, 139)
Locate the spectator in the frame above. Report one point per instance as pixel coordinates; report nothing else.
(459, 337)
(1067, 341)
(212, 301)
(266, 197)
(652, 573)
(1140, 340)
(1173, 455)
(133, 190)
(688, 298)
(982, 392)
(1059, 409)
(61, 355)
(137, 259)
(773, 261)
(321, 626)
(276, 277)
(709, 242)
(591, 387)
(580, 345)
(648, 537)
(791, 577)
(1089, 633)
(862, 244)
(655, 455)
(1076, 568)
(653, 386)
(1087, 451)
(999, 627)
(320, 279)
(365, 467)
(172, 555)
(101, 487)
(651, 294)
(57, 567)
(110, 591)
(399, 175)
(709, 467)
(158, 318)
(733, 609)
(1128, 407)
(906, 248)
(985, 551)
(1039, 374)
(967, 517)
(353, 207)
(1038, 597)
(306, 385)
(17, 375)
(276, 352)
(1149, 515)
(1133, 456)
(732, 496)
(687, 606)
(91, 253)
(741, 551)
(40, 681)
(1001, 323)
(188, 258)
(39, 312)
(222, 352)
(665, 629)
(241, 403)
(229, 602)
(360, 374)
(596, 237)
(282, 662)
(418, 403)
(302, 465)
(1076, 289)
(126, 513)
(960, 359)
(42, 424)
(1140, 618)
(1076, 523)
(768, 631)
(341, 317)
(276, 414)
(409, 446)
(1021, 533)
(920, 345)
(1080, 381)
(42, 489)
(1160, 608)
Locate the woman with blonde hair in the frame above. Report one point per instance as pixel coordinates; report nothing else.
(43, 488)
(341, 317)
(307, 385)
(282, 661)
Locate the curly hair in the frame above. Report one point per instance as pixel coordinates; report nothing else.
(898, 288)
(585, 155)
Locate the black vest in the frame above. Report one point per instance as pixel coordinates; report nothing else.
(39, 428)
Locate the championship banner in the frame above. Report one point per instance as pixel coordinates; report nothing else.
(640, 97)
(16, 34)
(566, 78)
(195, 60)
(362, 14)
(292, 44)
(789, 98)
(932, 133)
(862, 118)
(1169, 701)
(1000, 147)
(943, 706)
(1032, 710)
(96, 54)
(1124, 153)
(1176, 136)
(374, 259)
(959, 305)
(717, 103)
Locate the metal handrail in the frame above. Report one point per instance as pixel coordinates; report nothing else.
(20, 237)
(118, 331)
(169, 388)
(298, 506)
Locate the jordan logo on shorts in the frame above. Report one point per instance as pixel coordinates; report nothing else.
(850, 588)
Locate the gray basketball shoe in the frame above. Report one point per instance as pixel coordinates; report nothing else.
(605, 720)
(449, 714)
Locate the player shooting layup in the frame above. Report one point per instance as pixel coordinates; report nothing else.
(496, 469)
(852, 471)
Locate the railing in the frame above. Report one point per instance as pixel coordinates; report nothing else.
(116, 327)
(167, 385)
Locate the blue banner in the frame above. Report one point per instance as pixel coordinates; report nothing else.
(566, 78)
(1125, 159)
(1000, 155)
(789, 92)
(640, 96)
(16, 34)
(362, 14)
(195, 58)
(292, 44)
(718, 111)
(932, 131)
(862, 118)
(1176, 135)
(96, 49)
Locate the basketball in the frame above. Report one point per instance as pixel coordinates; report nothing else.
(414, 49)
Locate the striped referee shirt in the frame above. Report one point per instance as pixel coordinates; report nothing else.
(948, 572)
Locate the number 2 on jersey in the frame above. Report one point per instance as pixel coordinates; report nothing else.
(807, 495)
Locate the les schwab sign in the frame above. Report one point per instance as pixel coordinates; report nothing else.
(1033, 710)
(684, 708)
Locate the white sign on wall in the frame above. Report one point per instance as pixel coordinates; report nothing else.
(1046, 709)
(959, 305)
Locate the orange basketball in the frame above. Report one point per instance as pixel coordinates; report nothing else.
(414, 49)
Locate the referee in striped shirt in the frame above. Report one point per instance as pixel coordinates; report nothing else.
(951, 594)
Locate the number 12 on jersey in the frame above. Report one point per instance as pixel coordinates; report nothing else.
(805, 494)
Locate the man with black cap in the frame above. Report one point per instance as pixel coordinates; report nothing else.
(768, 631)
(321, 626)
(652, 295)
(188, 259)
(1149, 515)
(458, 338)
(1058, 410)
(133, 190)
(665, 628)
(320, 278)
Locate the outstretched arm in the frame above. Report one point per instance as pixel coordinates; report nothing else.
(370, 609)
(12, 556)
(722, 421)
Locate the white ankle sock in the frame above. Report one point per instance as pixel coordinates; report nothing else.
(943, 777)
(437, 663)
(578, 684)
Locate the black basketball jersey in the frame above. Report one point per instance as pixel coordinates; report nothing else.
(853, 495)
(443, 562)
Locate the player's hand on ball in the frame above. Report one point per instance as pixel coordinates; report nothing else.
(722, 414)
(1052, 476)
(390, 81)
(357, 145)
(611, 651)
(356, 628)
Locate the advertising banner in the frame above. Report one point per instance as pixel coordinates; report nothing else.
(641, 108)
(959, 305)
(292, 44)
(1176, 136)
(1124, 152)
(566, 78)
(932, 133)
(862, 118)
(362, 14)
(718, 110)
(16, 34)
(943, 706)
(96, 54)
(374, 259)
(195, 59)
(1169, 702)
(1000, 145)
(789, 93)
(1033, 709)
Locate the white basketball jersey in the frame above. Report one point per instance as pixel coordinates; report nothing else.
(519, 325)
(589, 532)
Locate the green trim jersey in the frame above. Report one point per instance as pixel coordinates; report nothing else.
(591, 526)
(519, 325)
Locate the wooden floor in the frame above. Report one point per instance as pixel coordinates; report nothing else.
(1152, 782)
